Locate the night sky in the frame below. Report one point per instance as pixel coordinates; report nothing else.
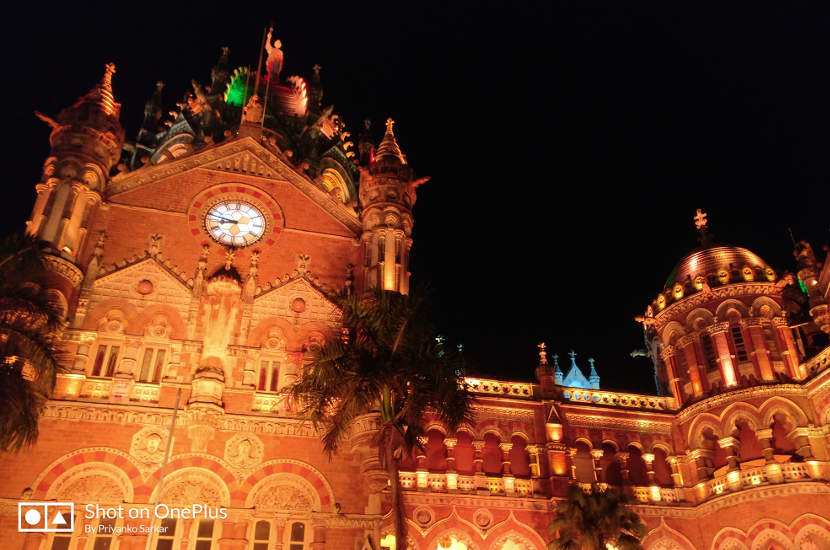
(569, 143)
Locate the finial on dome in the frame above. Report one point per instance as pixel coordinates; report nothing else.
(702, 225)
(700, 220)
(389, 145)
(543, 355)
(102, 95)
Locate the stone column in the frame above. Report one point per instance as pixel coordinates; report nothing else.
(533, 453)
(421, 471)
(648, 458)
(730, 446)
(622, 458)
(676, 474)
(727, 368)
(687, 344)
(572, 456)
(801, 439)
(279, 529)
(765, 439)
(789, 351)
(478, 460)
(319, 542)
(69, 240)
(671, 359)
(596, 455)
(702, 459)
(233, 535)
(80, 365)
(759, 348)
(507, 475)
(452, 474)
(43, 192)
(32, 541)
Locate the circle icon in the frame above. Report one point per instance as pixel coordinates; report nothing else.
(235, 223)
(32, 517)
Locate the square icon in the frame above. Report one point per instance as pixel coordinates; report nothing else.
(45, 517)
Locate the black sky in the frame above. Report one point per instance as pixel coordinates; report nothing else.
(569, 143)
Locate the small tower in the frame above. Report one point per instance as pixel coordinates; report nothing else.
(86, 143)
(387, 194)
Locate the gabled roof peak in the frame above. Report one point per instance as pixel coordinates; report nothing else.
(389, 147)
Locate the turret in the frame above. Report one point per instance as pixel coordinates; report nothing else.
(719, 324)
(86, 142)
(387, 194)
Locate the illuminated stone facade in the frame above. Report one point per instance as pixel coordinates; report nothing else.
(173, 335)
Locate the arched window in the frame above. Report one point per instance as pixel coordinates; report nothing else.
(662, 470)
(436, 452)
(750, 448)
(106, 359)
(262, 536)
(297, 536)
(519, 459)
(637, 471)
(268, 378)
(205, 534)
(492, 455)
(610, 465)
(464, 454)
(152, 364)
(166, 534)
(583, 463)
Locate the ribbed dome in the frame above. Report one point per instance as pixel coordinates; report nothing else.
(711, 261)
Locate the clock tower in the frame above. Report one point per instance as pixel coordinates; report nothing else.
(86, 142)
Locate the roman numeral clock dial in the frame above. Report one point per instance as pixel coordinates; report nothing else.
(235, 223)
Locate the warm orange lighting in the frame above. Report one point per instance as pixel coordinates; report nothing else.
(554, 431)
(67, 249)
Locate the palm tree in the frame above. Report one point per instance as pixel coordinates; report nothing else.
(388, 362)
(29, 326)
(596, 520)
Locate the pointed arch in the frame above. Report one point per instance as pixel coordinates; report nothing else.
(782, 405)
(664, 537)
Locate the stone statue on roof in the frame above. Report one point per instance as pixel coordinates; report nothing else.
(274, 62)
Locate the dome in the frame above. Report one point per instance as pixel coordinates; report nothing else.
(720, 264)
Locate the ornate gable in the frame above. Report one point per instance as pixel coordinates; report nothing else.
(297, 299)
(143, 282)
(245, 156)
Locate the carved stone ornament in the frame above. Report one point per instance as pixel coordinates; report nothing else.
(483, 519)
(92, 488)
(244, 451)
(284, 497)
(191, 489)
(148, 446)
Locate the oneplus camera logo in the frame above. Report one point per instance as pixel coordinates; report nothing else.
(45, 517)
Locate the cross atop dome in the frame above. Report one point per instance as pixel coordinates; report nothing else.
(389, 147)
(700, 220)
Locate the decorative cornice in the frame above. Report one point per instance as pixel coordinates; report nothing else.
(698, 299)
(487, 501)
(65, 268)
(740, 394)
(221, 158)
(639, 425)
(755, 494)
(110, 413)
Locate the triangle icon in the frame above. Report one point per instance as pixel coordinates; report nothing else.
(58, 519)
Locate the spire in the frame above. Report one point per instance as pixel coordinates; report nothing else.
(101, 95)
(389, 147)
(557, 372)
(593, 377)
(702, 225)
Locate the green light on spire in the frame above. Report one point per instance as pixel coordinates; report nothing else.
(803, 287)
(239, 88)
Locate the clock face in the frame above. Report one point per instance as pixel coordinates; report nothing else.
(235, 223)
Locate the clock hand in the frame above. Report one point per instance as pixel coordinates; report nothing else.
(226, 220)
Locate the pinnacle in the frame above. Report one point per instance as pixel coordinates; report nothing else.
(389, 147)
